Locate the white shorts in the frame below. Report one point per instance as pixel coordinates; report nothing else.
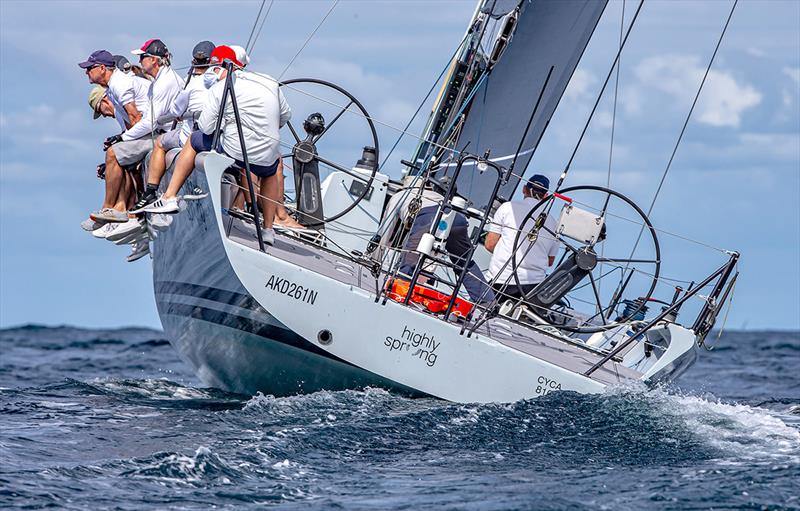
(132, 151)
(171, 139)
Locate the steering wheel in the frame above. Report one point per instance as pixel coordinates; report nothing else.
(587, 258)
(306, 150)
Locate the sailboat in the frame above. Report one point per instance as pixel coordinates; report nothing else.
(327, 307)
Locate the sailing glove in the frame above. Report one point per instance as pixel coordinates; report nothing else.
(111, 141)
(101, 171)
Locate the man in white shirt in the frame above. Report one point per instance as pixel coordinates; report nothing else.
(129, 97)
(183, 113)
(263, 111)
(532, 258)
(133, 144)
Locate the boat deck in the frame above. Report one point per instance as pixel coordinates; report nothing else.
(568, 354)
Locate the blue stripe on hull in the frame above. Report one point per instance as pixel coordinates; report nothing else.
(212, 321)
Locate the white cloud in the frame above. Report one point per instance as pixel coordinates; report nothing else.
(723, 100)
(772, 146)
(579, 85)
(793, 73)
(43, 124)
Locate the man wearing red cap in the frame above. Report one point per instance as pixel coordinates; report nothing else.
(263, 111)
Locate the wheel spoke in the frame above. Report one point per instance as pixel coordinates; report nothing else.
(614, 260)
(294, 133)
(316, 139)
(597, 297)
(340, 168)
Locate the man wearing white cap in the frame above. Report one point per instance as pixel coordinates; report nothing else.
(186, 107)
(241, 54)
(133, 144)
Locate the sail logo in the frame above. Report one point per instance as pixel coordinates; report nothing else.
(423, 345)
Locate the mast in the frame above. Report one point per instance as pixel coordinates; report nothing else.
(511, 48)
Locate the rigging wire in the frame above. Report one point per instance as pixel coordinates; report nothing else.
(613, 123)
(258, 33)
(335, 3)
(255, 23)
(424, 100)
(614, 109)
(686, 122)
(694, 103)
(599, 96)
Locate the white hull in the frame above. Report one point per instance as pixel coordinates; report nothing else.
(412, 349)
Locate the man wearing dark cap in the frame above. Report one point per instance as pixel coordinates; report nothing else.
(533, 258)
(132, 145)
(129, 97)
(186, 108)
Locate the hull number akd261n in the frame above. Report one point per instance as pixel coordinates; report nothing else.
(289, 288)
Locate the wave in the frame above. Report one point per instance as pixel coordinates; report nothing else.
(624, 425)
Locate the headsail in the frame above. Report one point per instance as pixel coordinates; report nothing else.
(513, 49)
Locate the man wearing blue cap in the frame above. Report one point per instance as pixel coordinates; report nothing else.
(532, 258)
(129, 96)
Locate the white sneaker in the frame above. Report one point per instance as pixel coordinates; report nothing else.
(133, 238)
(105, 230)
(107, 215)
(162, 205)
(268, 235)
(140, 250)
(197, 194)
(132, 226)
(159, 221)
(90, 225)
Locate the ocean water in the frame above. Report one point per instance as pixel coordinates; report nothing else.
(93, 419)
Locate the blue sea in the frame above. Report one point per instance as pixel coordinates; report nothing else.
(99, 419)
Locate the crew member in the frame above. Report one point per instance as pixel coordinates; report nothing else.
(129, 96)
(457, 245)
(263, 111)
(532, 258)
(186, 106)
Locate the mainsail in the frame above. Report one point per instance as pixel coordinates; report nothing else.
(496, 82)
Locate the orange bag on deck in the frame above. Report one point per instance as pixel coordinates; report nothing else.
(431, 299)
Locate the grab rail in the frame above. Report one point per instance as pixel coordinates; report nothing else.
(229, 91)
(703, 318)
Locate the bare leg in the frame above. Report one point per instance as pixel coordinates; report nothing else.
(282, 216)
(183, 169)
(114, 181)
(238, 202)
(280, 211)
(246, 188)
(125, 192)
(158, 164)
(135, 184)
(269, 198)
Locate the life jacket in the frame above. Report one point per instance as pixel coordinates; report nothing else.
(431, 299)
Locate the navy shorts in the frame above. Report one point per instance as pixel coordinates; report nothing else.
(202, 142)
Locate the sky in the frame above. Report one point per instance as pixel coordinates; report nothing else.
(734, 183)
